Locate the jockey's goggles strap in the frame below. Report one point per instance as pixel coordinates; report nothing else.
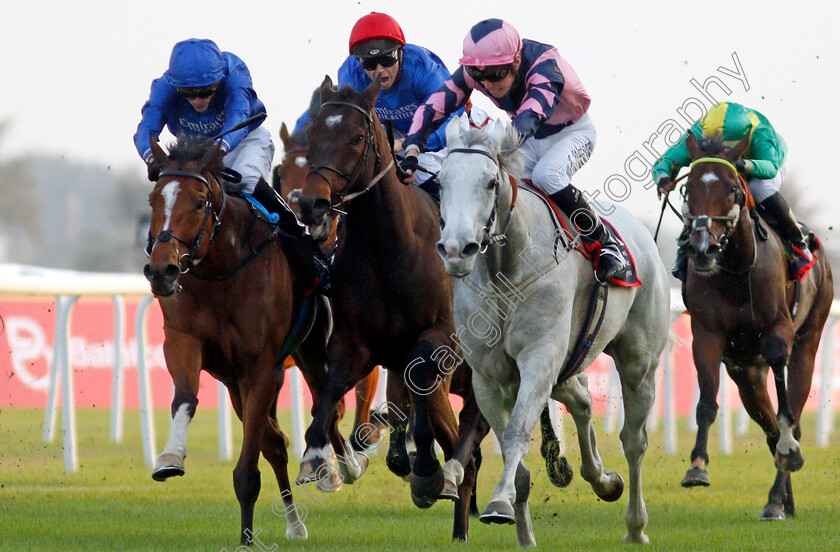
(714, 160)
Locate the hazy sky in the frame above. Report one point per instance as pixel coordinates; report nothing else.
(75, 74)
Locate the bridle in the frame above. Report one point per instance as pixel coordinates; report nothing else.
(166, 236)
(703, 223)
(338, 198)
(488, 238)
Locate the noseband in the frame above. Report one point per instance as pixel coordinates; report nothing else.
(337, 198)
(499, 237)
(166, 236)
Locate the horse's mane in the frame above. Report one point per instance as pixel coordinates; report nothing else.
(192, 148)
(506, 151)
(712, 145)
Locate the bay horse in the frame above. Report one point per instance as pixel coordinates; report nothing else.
(535, 296)
(739, 297)
(392, 300)
(288, 178)
(233, 305)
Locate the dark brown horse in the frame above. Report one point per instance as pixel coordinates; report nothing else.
(288, 178)
(392, 300)
(740, 300)
(233, 305)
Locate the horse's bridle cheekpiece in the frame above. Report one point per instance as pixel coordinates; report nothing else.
(369, 144)
(167, 236)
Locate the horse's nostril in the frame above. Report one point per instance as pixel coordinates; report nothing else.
(441, 249)
(171, 272)
(470, 249)
(147, 272)
(713, 249)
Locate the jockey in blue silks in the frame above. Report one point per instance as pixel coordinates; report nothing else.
(409, 75)
(203, 93)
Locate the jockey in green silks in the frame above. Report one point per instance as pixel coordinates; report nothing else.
(762, 164)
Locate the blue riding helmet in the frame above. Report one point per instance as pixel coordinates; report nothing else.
(195, 63)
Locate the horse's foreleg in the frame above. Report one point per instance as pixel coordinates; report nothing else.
(275, 450)
(574, 393)
(707, 350)
(183, 359)
(776, 350)
(257, 397)
(638, 394)
(534, 388)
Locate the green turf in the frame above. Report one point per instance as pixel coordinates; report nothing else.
(112, 503)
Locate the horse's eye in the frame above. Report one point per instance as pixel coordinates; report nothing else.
(493, 183)
(200, 204)
(357, 139)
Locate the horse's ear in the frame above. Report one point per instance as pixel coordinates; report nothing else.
(157, 152)
(215, 152)
(285, 137)
(691, 144)
(738, 150)
(500, 131)
(453, 130)
(371, 92)
(326, 90)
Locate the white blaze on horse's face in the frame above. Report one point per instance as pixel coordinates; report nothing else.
(170, 194)
(467, 200)
(333, 120)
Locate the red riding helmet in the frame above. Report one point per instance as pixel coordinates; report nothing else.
(376, 26)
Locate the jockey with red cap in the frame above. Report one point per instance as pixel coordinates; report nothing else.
(203, 93)
(548, 104)
(409, 75)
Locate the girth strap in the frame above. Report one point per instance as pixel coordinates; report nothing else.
(588, 333)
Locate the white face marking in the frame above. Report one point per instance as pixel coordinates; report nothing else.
(301, 161)
(333, 120)
(708, 178)
(169, 193)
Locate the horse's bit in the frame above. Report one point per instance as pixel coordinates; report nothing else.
(167, 236)
(499, 237)
(369, 144)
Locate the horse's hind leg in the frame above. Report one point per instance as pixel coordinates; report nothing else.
(638, 394)
(557, 468)
(366, 434)
(182, 353)
(274, 449)
(574, 393)
(399, 408)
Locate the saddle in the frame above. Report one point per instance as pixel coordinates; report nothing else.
(569, 235)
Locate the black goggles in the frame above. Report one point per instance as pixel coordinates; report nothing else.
(493, 73)
(385, 60)
(200, 92)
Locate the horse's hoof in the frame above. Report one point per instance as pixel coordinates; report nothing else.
(772, 512)
(352, 471)
(296, 532)
(168, 465)
(397, 461)
(449, 492)
(696, 477)
(329, 484)
(560, 472)
(422, 502)
(615, 489)
(427, 488)
(498, 511)
(312, 469)
(641, 538)
(791, 462)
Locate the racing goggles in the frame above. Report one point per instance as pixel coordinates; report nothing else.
(198, 92)
(385, 60)
(494, 73)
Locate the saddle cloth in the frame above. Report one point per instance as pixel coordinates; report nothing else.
(592, 251)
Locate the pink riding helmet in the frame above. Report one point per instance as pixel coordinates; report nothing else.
(491, 42)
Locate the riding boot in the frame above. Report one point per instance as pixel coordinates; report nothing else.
(778, 214)
(301, 243)
(680, 268)
(610, 262)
